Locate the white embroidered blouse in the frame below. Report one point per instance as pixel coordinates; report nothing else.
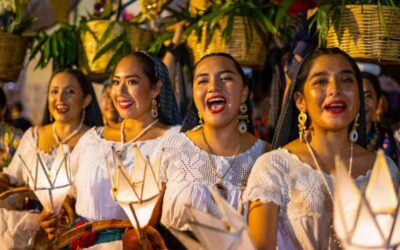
(92, 182)
(186, 170)
(27, 150)
(305, 207)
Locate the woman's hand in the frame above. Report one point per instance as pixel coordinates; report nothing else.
(153, 240)
(4, 181)
(49, 221)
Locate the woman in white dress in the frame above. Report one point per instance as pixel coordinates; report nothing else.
(290, 188)
(72, 105)
(142, 94)
(216, 149)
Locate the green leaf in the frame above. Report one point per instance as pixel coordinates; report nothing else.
(227, 33)
(47, 52)
(42, 38)
(54, 45)
(114, 42)
(115, 58)
(106, 34)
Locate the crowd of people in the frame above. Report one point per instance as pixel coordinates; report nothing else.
(283, 188)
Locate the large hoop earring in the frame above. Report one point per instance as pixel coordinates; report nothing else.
(353, 136)
(243, 119)
(303, 131)
(154, 109)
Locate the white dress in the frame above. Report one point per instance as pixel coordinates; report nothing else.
(186, 170)
(18, 228)
(92, 182)
(305, 207)
(27, 150)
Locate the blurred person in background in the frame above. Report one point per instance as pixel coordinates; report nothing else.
(17, 118)
(378, 135)
(9, 136)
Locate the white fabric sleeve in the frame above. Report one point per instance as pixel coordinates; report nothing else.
(162, 160)
(15, 169)
(161, 153)
(74, 160)
(266, 181)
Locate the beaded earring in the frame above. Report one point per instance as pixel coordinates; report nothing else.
(353, 136)
(154, 109)
(243, 119)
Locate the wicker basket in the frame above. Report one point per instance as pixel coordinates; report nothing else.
(90, 46)
(249, 55)
(138, 38)
(362, 34)
(12, 55)
(151, 8)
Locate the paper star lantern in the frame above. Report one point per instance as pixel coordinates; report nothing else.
(137, 192)
(51, 184)
(367, 220)
(213, 233)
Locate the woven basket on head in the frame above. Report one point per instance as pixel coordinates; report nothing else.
(197, 7)
(138, 38)
(90, 44)
(151, 8)
(12, 55)
(249, 53)
(361, 33)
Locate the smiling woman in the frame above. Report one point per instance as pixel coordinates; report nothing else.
(71, 110)
(290, 187)
(214, 150)
(142, 94)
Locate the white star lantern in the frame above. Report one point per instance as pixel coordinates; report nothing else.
(367, 220)
(51, 184)
(213, 233)
(136, 192)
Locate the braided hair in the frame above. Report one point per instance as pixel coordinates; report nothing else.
(286, 129)
(192, 118)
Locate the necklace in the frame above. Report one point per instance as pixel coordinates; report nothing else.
(122, 136)
(320, 170)
(335, 239)
(68, 137)
(219, 183)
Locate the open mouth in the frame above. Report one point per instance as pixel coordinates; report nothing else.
(216, 104)
(124, 104)
(336, 107)
(62, 108)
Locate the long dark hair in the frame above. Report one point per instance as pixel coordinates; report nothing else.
(155, 70)
(93, 115)
(3, 105)
(192, 118)
(375, 83)
(287, 130)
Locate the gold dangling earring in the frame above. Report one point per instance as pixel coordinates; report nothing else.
(303, 131)
(243, 119)
(353, 136)
(51, 118)
(154, 109)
